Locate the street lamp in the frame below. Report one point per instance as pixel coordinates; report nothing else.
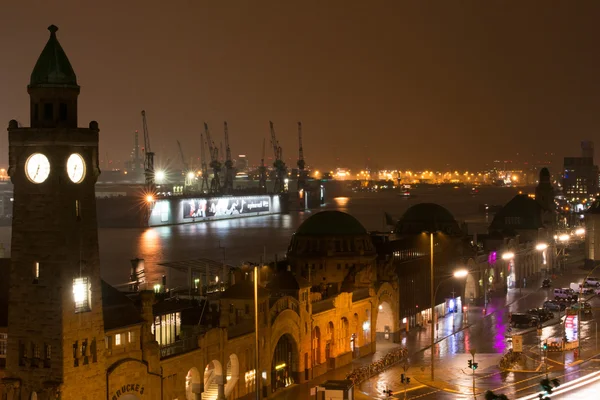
(580, 231)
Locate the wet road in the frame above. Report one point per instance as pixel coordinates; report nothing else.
(487, 335)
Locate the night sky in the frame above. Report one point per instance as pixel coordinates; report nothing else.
(420, 84)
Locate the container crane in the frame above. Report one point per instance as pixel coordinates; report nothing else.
(301, 163)
(148, 158)
(262, 171)
(183, 163)
(203, 166)
(215, 164)
(228, 184)
(278, 164)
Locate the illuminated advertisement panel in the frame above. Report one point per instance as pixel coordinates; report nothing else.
(225, 206)
(571, 328)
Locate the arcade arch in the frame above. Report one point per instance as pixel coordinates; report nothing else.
(471, 286)
(213, 375)
(192, 384)
(385, 320)
(316, 346)
(284, 363)
(233, 373)
(345, 336)
(128, 396)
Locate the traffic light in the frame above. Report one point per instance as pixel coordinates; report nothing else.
(475, 365)
(545, 346)
(407, 380)
(470, 364)
(402, 378)
(388, 392)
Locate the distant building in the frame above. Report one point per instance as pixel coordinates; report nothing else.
(580, 178)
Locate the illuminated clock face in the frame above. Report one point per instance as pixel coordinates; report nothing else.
(37, 168)
(76, 168)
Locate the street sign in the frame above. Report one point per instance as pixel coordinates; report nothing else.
(517, 341)
(473, 352)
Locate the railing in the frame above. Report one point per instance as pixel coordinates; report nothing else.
(359, 294)
(282, 304)
(323, 305)
(242, 328)
(179, 347)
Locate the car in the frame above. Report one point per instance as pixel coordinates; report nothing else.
(542, 313)
(586, 308)
(522, 319)
(554, 305)
(592, 281)
(546, 283)
(565, 294)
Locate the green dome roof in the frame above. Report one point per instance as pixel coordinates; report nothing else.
(53, 67)
(427, 217)
(331, 223)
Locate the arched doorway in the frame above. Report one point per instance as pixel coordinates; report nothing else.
(329, 346)
(385, 321)
(316, 346)
(345, 336)
(470, 288)
(233, 374)
(284, 363)
(192, 384)
(213, 376)
(128, 396)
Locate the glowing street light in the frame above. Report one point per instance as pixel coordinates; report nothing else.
(190, 175)
(580, 231)
(149, 198)
(461, 273)
(564, 237)
(508, 256)
(541, 246)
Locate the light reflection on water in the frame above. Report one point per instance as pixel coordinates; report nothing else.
(245, 239)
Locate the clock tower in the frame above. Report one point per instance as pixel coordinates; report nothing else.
(55, 323)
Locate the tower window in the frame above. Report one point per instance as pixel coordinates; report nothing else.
(118, 339)
(62, 111)
(48, 352)
(48, 111)
(36, 272)
(81, 294)
(36, 111)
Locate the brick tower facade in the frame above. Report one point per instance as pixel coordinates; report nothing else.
(55, 322)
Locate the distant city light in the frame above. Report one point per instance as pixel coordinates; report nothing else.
(541, 246)
(580, 231)
(149, 198)
(508, 256)
(563, 238)
(190, 175)
(160, 176)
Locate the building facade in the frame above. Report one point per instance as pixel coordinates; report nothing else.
(64, 333)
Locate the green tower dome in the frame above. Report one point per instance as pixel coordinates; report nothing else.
(53, 67)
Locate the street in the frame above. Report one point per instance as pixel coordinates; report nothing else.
(459, 334)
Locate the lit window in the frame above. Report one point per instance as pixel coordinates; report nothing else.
(3, 345)
(37, 270)
(81, 294)
(118, 339)
(108, 342)
(131, 336)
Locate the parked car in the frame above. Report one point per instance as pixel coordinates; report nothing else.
(542, 313)
(522, 319)
(546, 283)
(565, 294)
(554, 305)
(593, 281)
(586, 308)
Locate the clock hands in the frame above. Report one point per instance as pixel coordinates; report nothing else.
(37, 171)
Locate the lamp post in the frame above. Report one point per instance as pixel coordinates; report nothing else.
(432, 301)
(507, 257)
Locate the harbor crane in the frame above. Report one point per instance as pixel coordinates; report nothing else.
(215, 164)
(262, 171)
(203, 166)
(228, 184)
(301, 163)
(189, 175)
(148, 158)
(279, 185)
(183, 163)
